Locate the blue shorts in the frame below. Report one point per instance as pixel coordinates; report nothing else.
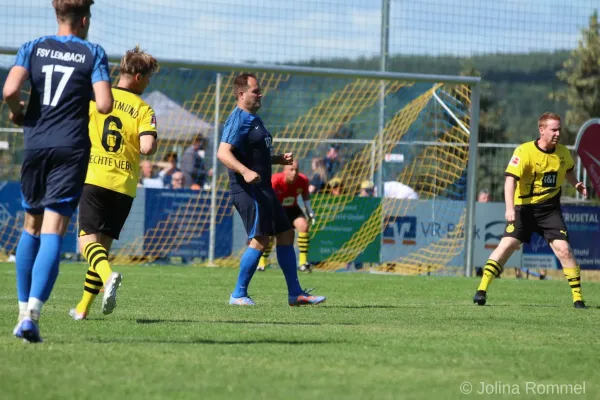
(261, 212)
(53, 178)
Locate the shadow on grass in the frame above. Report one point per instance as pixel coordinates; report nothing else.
(367, 306)
(533, 306)
(231, 321)
(210, 341)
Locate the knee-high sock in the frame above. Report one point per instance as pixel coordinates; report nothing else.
(573, 276)
(303, 242)
(45, 270)
(97, 257)
(27, 250)
(248, 265)
(264, 260)
(286, 256)
(492, 270)
(91, 288)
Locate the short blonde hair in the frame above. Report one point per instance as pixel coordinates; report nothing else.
(70, 10)
(548, 116)
(137, 61)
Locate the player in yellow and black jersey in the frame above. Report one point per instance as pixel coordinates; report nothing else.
(113, 170)
(534, 176)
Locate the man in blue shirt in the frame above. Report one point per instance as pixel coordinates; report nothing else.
(246, 149)
(64, 70)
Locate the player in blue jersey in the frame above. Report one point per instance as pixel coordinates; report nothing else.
(246, 149)
(64, 70)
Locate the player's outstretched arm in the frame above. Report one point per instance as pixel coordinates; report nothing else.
(309, 211)
(104, 97)
(580, 186)
(12, 93)
(226, 156)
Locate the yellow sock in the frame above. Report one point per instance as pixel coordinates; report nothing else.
(91, 288)
(492, 270)
(97, 257)
(303, 241)
(264, 259)
(574, 278)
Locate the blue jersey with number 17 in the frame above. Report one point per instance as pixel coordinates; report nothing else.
(252, 146)
(61, 70)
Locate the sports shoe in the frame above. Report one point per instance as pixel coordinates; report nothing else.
(241, 301)
(30, 331)
(305, 267)
(77, 316)
(305, 299)
(579, 304)
(259, 268)
(480, 298)
(109, 300)
(17, 331)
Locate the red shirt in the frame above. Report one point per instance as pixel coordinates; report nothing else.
(287, 193)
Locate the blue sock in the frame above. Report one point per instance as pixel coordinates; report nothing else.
(27, 249)
(286, 257)
(45, 268)
(248, 265)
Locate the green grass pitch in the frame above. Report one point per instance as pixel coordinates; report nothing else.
(173, 336)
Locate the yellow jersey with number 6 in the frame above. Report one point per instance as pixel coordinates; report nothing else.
(115, 153)
(539, 173)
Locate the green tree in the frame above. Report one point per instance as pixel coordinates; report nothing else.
(581, 73)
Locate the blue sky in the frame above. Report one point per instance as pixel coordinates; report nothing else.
(270, 31)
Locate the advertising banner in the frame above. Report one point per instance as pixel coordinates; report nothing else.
(177, 224)
(341, 229)
(584, 236)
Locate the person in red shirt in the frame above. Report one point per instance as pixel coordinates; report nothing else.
(288, 185)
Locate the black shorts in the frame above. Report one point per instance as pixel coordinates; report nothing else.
(103, 211)
(261, 212)
(53, 178)
(293, 213)
(544, 219)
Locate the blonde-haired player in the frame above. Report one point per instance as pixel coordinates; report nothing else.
(117, 139)
(534, 177)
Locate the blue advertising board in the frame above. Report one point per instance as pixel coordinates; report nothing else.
(177, 222)
(12, 217)
(584, 236)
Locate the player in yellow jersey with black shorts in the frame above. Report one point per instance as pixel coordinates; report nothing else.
(534, 177)
(113, 171)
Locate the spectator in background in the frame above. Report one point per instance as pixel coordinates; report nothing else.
(332, 164)
(318, 180)
(169, 167)
(367, 189)
(484, 196)
(177, 180)
(148, 178)
(336, 187)
(192, 162)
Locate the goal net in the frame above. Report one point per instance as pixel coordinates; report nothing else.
(406, 139)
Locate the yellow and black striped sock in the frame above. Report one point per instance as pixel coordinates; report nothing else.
(492, 270)
(91, 288)
(303, 242)
(573, 276)
(97, 257)
(264, 259)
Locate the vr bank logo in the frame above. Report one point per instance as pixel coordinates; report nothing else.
(404, 228)
(494, 231)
